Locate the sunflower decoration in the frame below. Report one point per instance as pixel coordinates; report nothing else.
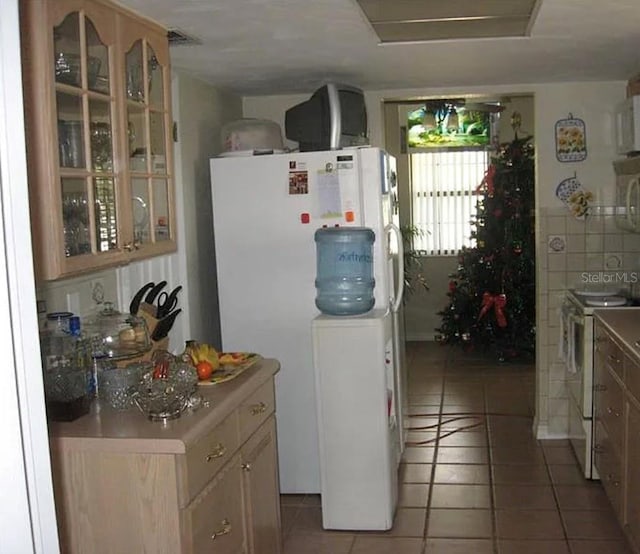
(579, 203)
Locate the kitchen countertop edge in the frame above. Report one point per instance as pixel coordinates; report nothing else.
(624, 324)
(131, 431)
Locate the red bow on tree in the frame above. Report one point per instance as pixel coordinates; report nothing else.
(498, 301)
(487, 180)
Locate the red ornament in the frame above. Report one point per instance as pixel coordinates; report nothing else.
(498, 301)
(452, 286)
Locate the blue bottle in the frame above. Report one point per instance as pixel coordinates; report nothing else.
(344, 270)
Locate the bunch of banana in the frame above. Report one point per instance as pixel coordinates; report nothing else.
(198, 352)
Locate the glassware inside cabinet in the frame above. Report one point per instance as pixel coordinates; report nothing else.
(104, 192)
(137, 138)
(70, 131)
(155, 73)
(101, 135)
(67, 56)
(157, 139)
(75, 217)
(161, 209)
(135, 73)
(140, 209)
(98, 78)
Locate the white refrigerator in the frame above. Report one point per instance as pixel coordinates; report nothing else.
(266, 210)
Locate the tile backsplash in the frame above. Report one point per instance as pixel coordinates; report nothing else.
(592, 253)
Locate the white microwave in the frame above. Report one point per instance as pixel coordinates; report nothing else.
(628, 126)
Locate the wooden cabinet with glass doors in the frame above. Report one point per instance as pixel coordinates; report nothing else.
(97, 105)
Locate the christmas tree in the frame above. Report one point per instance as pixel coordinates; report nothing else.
(492, 293)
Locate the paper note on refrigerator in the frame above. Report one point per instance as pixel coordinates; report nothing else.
(330, 203)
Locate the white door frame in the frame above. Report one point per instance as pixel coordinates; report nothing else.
(27, 510)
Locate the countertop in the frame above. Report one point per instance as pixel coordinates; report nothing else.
(624, 324)
(131, 431)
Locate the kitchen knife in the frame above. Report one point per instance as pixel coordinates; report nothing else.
(137, 298)
(164, 326)
(167, 302)
(151, 296)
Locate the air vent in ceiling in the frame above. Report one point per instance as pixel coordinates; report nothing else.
(180, 38)
(427, 20)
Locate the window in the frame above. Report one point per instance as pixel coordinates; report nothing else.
(444, 198)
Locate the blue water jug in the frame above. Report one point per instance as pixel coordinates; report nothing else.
(344, 272)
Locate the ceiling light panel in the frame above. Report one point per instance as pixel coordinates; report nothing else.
(424, 20)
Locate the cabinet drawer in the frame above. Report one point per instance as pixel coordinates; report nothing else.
(613, 356)
(255, 410)
(610, 408)
(208, 454)
(609, 467)
(213, 522)
(632, 377)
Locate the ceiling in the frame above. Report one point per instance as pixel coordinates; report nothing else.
(265, 47)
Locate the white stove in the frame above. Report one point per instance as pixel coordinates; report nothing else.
(577, 351)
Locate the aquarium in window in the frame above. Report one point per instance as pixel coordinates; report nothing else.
(445, 124)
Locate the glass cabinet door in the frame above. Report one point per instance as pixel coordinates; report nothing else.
(85, 108)
(146, 122)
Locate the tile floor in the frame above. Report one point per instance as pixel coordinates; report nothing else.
(473, 479)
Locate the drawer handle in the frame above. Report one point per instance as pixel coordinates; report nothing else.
(600, 388)
(611, 479)
(611, 411)
(598, 448)
(246, 467)
(612, 358)
(226, 529)
(257, 409)
(218, 451)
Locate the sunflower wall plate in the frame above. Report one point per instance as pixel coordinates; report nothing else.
(571, 139)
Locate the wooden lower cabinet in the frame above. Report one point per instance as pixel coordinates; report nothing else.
(205, 483)
(632, 509)
(261, 491)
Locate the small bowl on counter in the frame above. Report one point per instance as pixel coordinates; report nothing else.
(168, 390)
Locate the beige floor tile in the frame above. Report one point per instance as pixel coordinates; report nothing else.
(421, 410)
(531, 497)
(524, 474)
(292, 499)
(424, 399)
(288, 515)
(409, 522)
(461, 496)
(415, 473)
(386, 545)
(533, 547)
(516, 455)
(587, 496)
(462, 455)
(599, 547)
(413, 495)
(421, 438)
(462, 474)
(308, 518)
(566, 474)
(459, 523)
(591, 524)
(472, 438)
(418, 454)
(529, 524)
(318, 543)
(459, 546)
(560, 455)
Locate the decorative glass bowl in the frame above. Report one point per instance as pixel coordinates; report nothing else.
(167, 391)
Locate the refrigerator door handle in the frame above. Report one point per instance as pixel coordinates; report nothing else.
(397, 298)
